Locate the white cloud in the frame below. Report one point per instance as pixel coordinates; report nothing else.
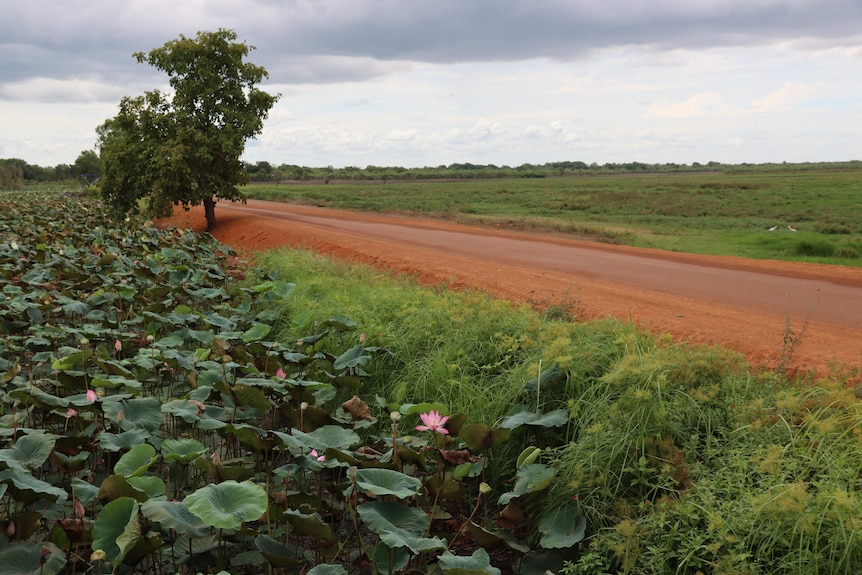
(789, 97)
(698, 106)
(52, 90)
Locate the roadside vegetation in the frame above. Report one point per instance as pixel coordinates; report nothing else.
(165, 408)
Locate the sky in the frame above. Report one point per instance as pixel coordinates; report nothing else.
(432, 82)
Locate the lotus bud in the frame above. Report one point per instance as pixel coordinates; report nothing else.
(91, 395)
(79, 509)
(118, 345)
(10, 530)
(97, 555)
(120, 416)
(216, 458)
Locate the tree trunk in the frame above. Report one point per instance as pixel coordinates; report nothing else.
(209, 209)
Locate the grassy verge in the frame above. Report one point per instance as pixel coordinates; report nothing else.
(682, 460)
(727, 214)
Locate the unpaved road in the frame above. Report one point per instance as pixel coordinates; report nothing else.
(746, 305)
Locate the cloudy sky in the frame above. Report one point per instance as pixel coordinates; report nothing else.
(430, 82)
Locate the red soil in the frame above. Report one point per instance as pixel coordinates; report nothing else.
(745, 305)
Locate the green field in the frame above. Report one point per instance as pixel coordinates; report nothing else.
(706, 213)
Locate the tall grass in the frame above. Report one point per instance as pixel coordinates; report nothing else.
(683, 461)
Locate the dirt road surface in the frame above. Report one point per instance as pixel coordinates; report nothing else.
(799, 316)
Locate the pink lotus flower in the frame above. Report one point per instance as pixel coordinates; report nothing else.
(433, 422)
(216, 458)
(317, 457)
(117, 345)
(70, 413)
(91, 395)
(280, 373)
(79, 509)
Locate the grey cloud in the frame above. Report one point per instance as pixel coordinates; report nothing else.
(321, 41)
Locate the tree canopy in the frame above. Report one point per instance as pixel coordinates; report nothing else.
(184, 147)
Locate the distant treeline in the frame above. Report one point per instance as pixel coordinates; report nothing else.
(265, 172)
(15, 173)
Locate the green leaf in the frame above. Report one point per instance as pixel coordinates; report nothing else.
(256, 333)
(327, 569)
(30, 451)
(353, 357)
(556, 418)
(136, 461)
(399, 526)
(528, 456)
(229, 504)
(562, 526)
(151, 485)
(182, 451)
(118, 441)
(139, 413)
(26, 559)
(479, 563)
(116, 487)
(175, 515)
(26, 488)
(481, 437)
(283, 289)
(309, 525)
(277, 553)
(116, 529)
(387, 482)
(530, 478)
(84, 491)
(323, 438)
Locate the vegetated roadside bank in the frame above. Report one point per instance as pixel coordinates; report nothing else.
(657, 434)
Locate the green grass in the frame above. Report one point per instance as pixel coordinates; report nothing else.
(726, 214)
(683, 461)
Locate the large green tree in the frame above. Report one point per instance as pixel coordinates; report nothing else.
(184, 147)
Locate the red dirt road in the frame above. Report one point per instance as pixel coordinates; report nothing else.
(741, 304)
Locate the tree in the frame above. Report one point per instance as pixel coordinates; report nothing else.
(185, 149)
(88, 162)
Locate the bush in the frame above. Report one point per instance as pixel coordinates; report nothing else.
(814, 248)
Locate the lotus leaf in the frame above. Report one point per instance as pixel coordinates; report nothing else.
(479, 563)
(387, 482)
(562, 526)
(175, 515)
(556, 418)
(399, 526)
(28, 559)
(29, 452)
(229, 504)
(182, 451)
(117, 529)
(136, 461)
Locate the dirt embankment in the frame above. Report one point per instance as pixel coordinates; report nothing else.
(802, 316)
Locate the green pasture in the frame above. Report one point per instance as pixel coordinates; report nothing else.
(706, 213)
